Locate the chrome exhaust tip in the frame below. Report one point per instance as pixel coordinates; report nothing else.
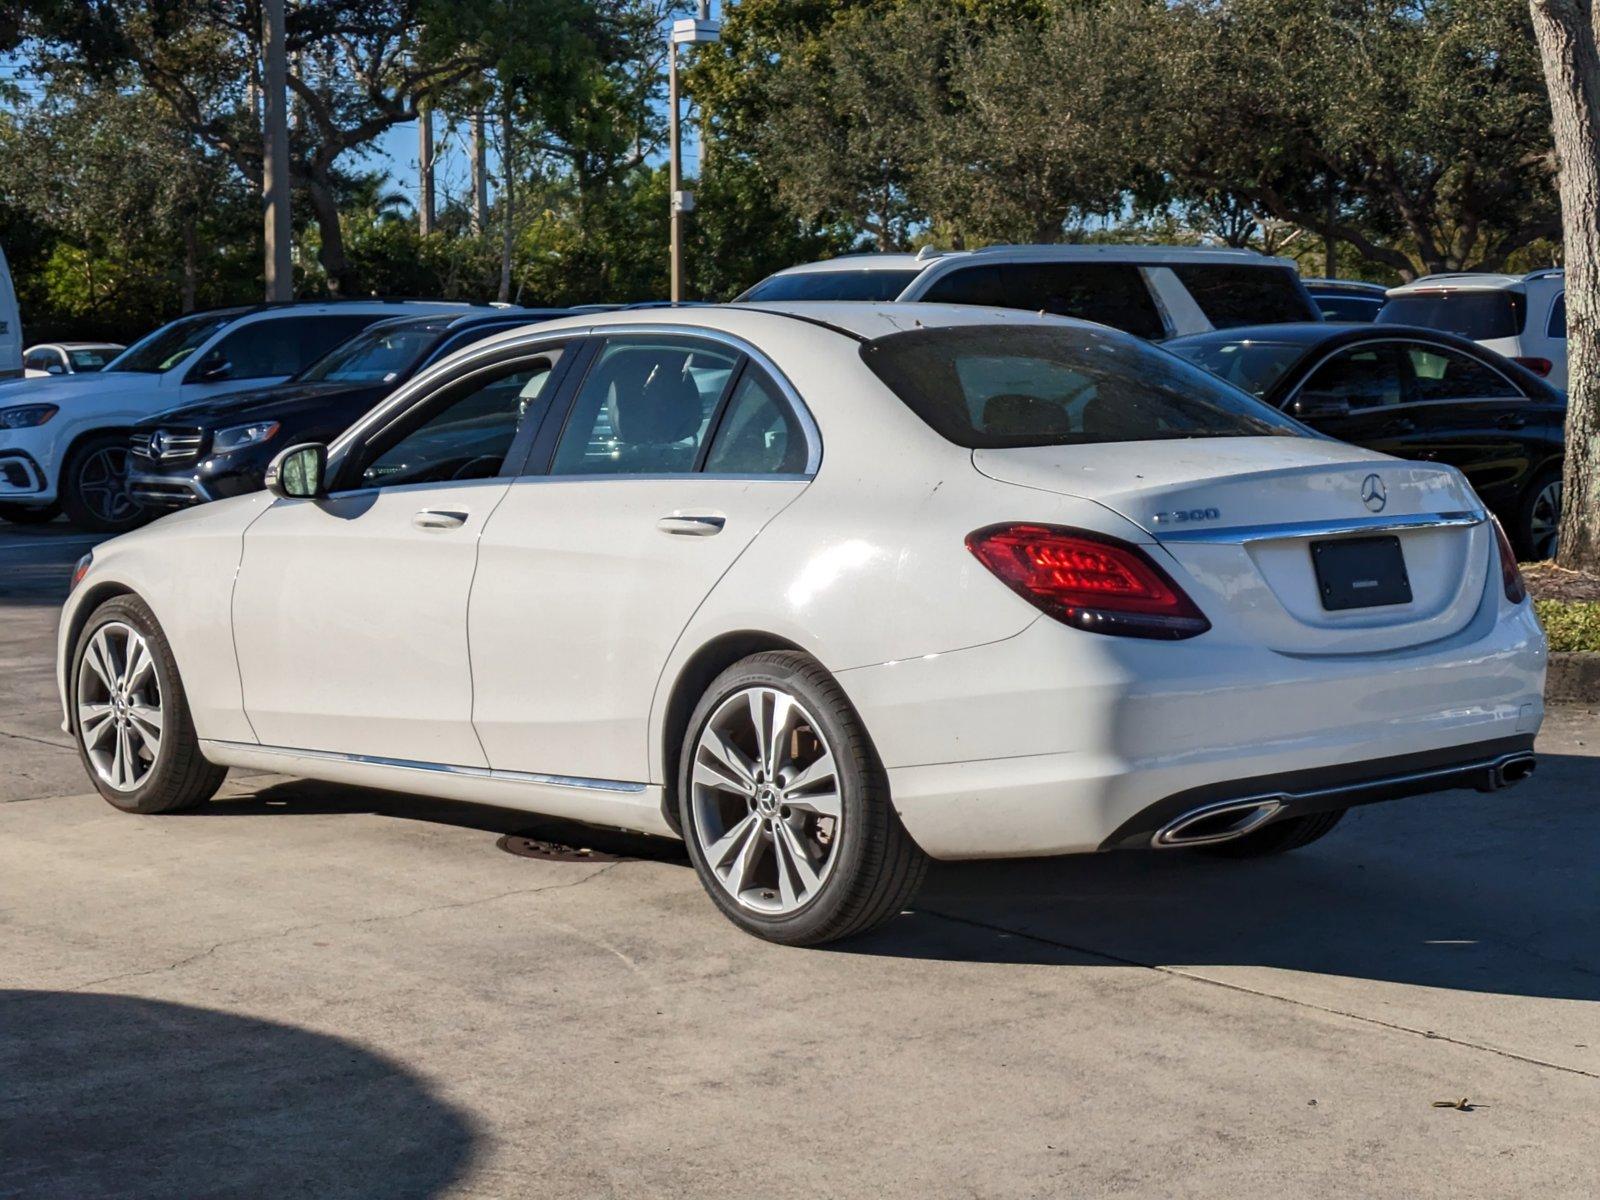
(1214, 823)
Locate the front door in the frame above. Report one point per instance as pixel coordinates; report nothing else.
(676, 453)
(350, 612)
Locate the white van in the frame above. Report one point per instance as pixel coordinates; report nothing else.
(10, 326)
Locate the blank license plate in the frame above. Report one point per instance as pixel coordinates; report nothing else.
(1361, 572)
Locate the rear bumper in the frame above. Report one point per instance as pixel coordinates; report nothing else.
(1057, 741)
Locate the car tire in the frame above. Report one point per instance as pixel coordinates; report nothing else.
(94, 488)
(21, 514)
(1539, 519)
(122, 695)
(1277, 837)
(798, 844)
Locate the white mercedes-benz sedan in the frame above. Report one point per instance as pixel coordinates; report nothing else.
(826, 591)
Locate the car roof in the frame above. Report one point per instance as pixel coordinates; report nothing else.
(74, 346)
(1111, 252)
(1354, 286)
(448, 322)
(856, 319)
(1316, 333)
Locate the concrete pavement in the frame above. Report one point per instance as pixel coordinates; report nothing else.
(314, 991)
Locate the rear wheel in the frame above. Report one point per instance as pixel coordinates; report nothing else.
(19, 514)
(1278, 837)
(1540, 522)
(94, 487)
(785, 807)
(130, 716)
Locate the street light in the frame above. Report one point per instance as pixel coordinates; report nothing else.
(688, 31)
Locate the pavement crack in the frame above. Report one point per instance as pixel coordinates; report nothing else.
(1177, 973)
(38, 741)
(290, 931)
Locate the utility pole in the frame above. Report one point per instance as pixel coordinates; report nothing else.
(689, 31)
(425, 205)
(275, 157)
(480, 174)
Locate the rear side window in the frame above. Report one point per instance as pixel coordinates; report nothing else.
(1113, 294)
(1558, 318)
(1480, 316)
(758, 433)
(1440, 374)
(1231, 295)
(996, 386)
(843, 284)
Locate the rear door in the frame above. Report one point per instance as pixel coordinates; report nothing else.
(1358, 395)
(676, 451)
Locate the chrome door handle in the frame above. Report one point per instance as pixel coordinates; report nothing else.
(438, 518)
(704, 526)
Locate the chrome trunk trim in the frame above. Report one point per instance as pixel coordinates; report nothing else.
(1240, 534)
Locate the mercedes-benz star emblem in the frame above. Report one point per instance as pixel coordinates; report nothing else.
(158, 444)
(1373, 494)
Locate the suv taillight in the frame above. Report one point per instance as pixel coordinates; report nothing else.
(1539, 366)
(1510, 575)
(1088, 580)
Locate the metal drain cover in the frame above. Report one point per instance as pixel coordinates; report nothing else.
(531, 847)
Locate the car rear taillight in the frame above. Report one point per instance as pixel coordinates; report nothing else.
(1510, 575)
(1539, 366)
(1088, 580)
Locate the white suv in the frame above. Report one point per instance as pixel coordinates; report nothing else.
(1523, 317)
(1151, 291)
(64, 440)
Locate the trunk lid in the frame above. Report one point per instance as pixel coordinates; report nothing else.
(1240, 515)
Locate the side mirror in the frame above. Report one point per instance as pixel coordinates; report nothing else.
(213, 369)
(297, 473)
(1312, 407)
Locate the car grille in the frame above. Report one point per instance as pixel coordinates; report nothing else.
(167, 445)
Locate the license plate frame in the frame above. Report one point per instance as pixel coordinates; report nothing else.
(1364, 572)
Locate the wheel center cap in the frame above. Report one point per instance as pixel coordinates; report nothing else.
(766, 800)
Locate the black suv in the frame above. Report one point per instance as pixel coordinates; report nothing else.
(221, 448)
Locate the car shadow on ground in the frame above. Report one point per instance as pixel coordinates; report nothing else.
(109, 1095)
(1495, 893)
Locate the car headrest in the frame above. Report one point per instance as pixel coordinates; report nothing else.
(653, 401)
(1012, 412)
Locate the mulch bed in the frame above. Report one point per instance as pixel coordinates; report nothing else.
(1546, 581)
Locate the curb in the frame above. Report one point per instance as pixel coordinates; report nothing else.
(1573, 678)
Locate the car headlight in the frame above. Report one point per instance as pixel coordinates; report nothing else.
(240, 436)
(25, 416)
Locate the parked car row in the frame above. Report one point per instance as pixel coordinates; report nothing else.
(195, 411)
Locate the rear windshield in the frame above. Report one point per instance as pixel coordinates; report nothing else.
(1348, 308)
(996, 386)
(1476, 315)
(1233, 295)
(1250, 366)
(833, 285)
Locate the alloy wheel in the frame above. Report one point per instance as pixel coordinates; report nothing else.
(766, 802)
(119, 706)
(1544, 521)
(103, 485)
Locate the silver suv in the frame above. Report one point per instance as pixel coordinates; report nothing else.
(1152, 291)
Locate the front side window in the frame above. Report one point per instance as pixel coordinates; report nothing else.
(758, 434)
(1440, 374)
(277, 346)
(1231, 295)
(172, 344)
(643, 408)
(997, 386)
(1364, 377)
(1479, 315)
(466, 432)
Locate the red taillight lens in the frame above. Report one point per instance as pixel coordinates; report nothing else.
(1088, 580)
(1510, 576)
(1539, 366)
(82, 569)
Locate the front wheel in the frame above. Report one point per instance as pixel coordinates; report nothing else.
(130, 716)
(785, 807)
(94, 487)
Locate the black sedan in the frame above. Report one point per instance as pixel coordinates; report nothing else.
(222, 447)
(1414, 393)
